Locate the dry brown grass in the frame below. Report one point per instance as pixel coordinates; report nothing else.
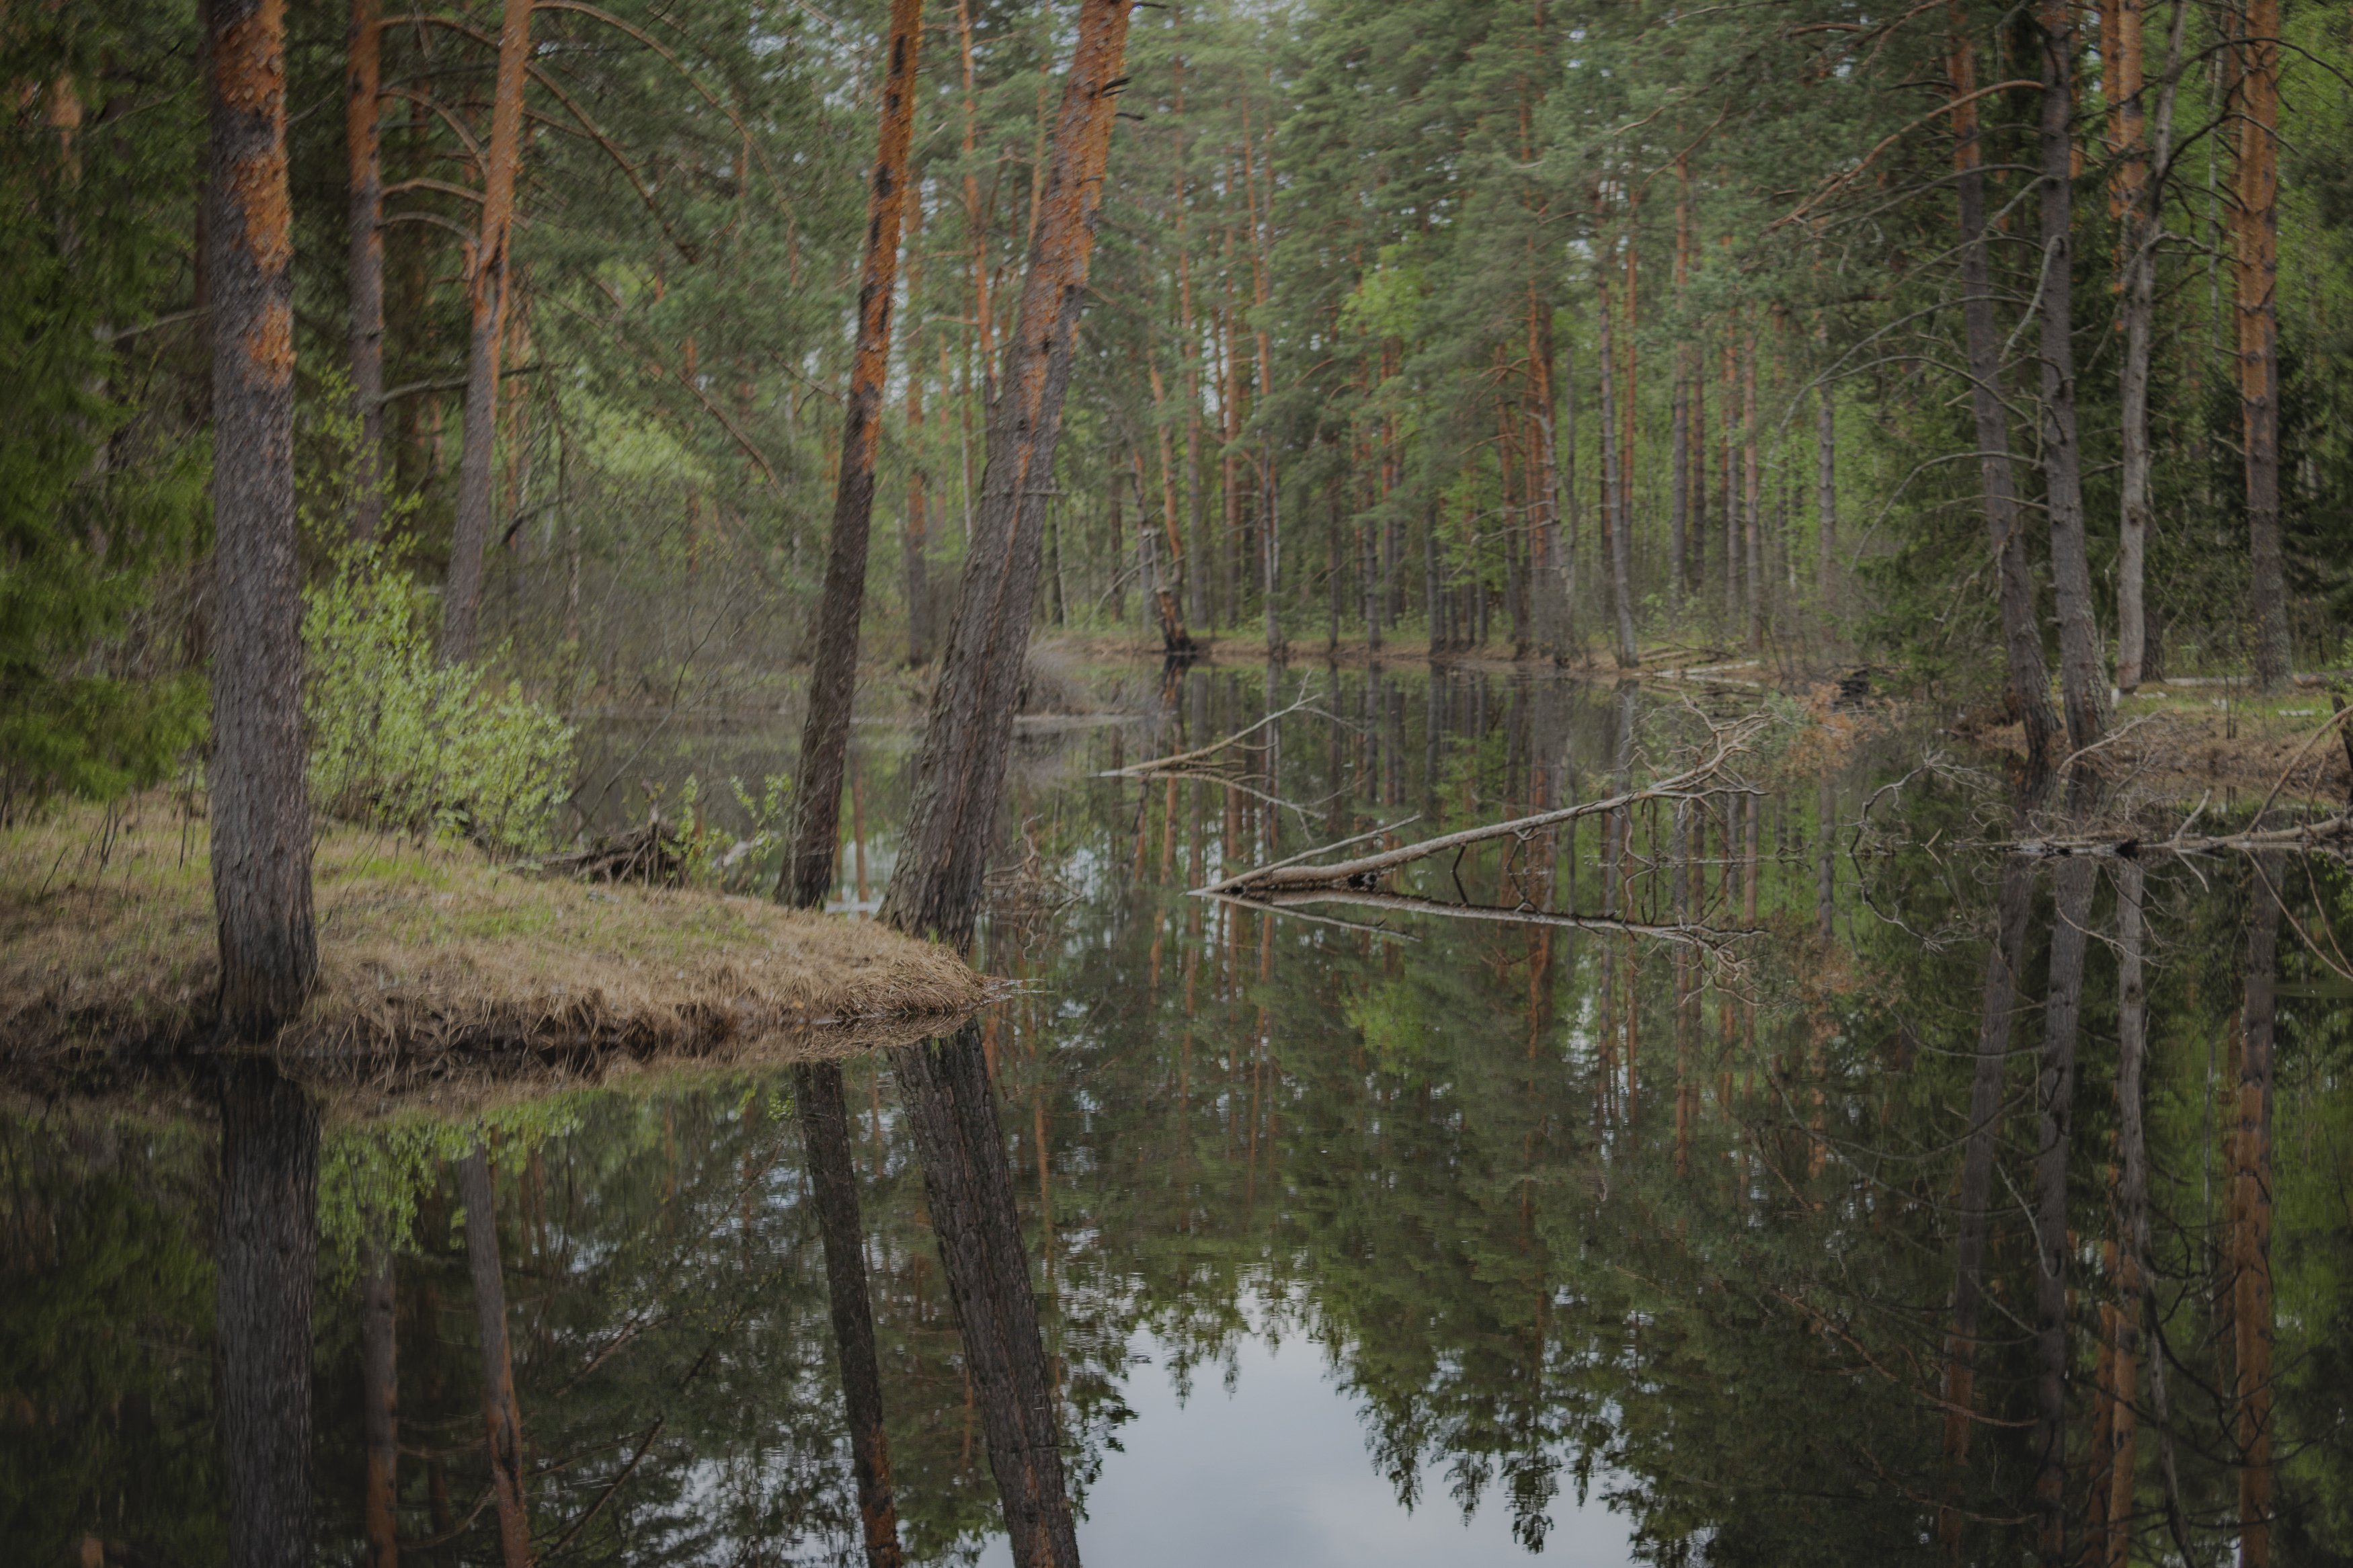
(107, 945)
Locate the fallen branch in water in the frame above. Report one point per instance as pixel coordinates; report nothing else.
(1162, 764)
(2331, 835)
(1708, 939)
(1364, 874)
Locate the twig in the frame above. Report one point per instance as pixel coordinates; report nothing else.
(2311, 740)
(1708, 939)
(1158, 764)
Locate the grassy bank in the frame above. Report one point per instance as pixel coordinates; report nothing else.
(428, 951)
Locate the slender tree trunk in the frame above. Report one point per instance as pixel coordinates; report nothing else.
(1698, 460)
(1614, 513)
(2135, 201)
(379, 1397)
(917, 541)
(2083, 687)
(1730, 530)
(259, 806)
(833, 664)
(2055, 1095)
(833, 1182)
(1751, 483)
(266, 1259)
(2252, 1303)
(1826, 568)
(488, 287)
(362, 138)
(2256, 271)
(500, 1413)
(1998, 994)
(2029, 681)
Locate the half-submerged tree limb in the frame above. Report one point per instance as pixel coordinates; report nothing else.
(1711, 776)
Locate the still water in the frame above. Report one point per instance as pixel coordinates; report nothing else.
(1707, 1230)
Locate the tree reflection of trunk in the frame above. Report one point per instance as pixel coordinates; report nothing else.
(833, 1186)
(2013, 908)
(379, 1397)
(500, 1413)
(268, 1257)
(2055, 1093)
(968, 1188)
(2251, 1220)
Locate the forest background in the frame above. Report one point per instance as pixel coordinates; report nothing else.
(1579, 332)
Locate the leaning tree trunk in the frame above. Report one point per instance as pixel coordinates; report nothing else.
(486, 291)
(268, 1257)
(361, 128)
(833, 667)
(960, 773)
(2056, 1094)
(500, 1413)
(2257, 274)
(2029, 681)
(2081, 687)
(261, 810)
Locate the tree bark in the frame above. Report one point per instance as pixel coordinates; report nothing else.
(486, 289)
(833, 1182)
(2029, 681)
(379, 1399)
(2055, 1095)
(260, 804)
(833, 663)
(2252, 1303)
(915, 534)
(501, 1416)
(269, 1254)
(2082, 687)
(1614, 513)
(2256, 271)
(363, 143)
(960, 774)
(2132, 1205)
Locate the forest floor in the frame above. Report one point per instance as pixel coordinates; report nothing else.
(431, 958)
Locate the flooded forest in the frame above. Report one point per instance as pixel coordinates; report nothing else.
(1301, 781)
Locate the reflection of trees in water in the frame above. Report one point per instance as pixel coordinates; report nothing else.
(1727, 1297)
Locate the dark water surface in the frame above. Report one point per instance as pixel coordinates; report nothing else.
(1377, 1237)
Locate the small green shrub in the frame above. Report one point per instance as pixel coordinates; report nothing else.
(399, 741)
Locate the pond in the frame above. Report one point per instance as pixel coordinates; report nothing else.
(1752, 1215)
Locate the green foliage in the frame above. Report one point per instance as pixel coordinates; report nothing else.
(400, 740)
(94, 504)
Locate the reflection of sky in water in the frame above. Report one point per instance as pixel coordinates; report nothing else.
(1277, 1472)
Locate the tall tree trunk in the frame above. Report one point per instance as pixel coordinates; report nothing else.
(266, 1259)
(487, 287)
(2056, 1094)
(2252, 1302)
(1826, 569)
(1614, 513)
(2029, 681)
(1751, 479)
(833, 1182)
(935, 889)
(259, 808)
(364, 141)
(1998, 994)
(916, 533)
(2256, 271)
(501, 1415)
(2082, 685)
(379, 1396)
(833, 664)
